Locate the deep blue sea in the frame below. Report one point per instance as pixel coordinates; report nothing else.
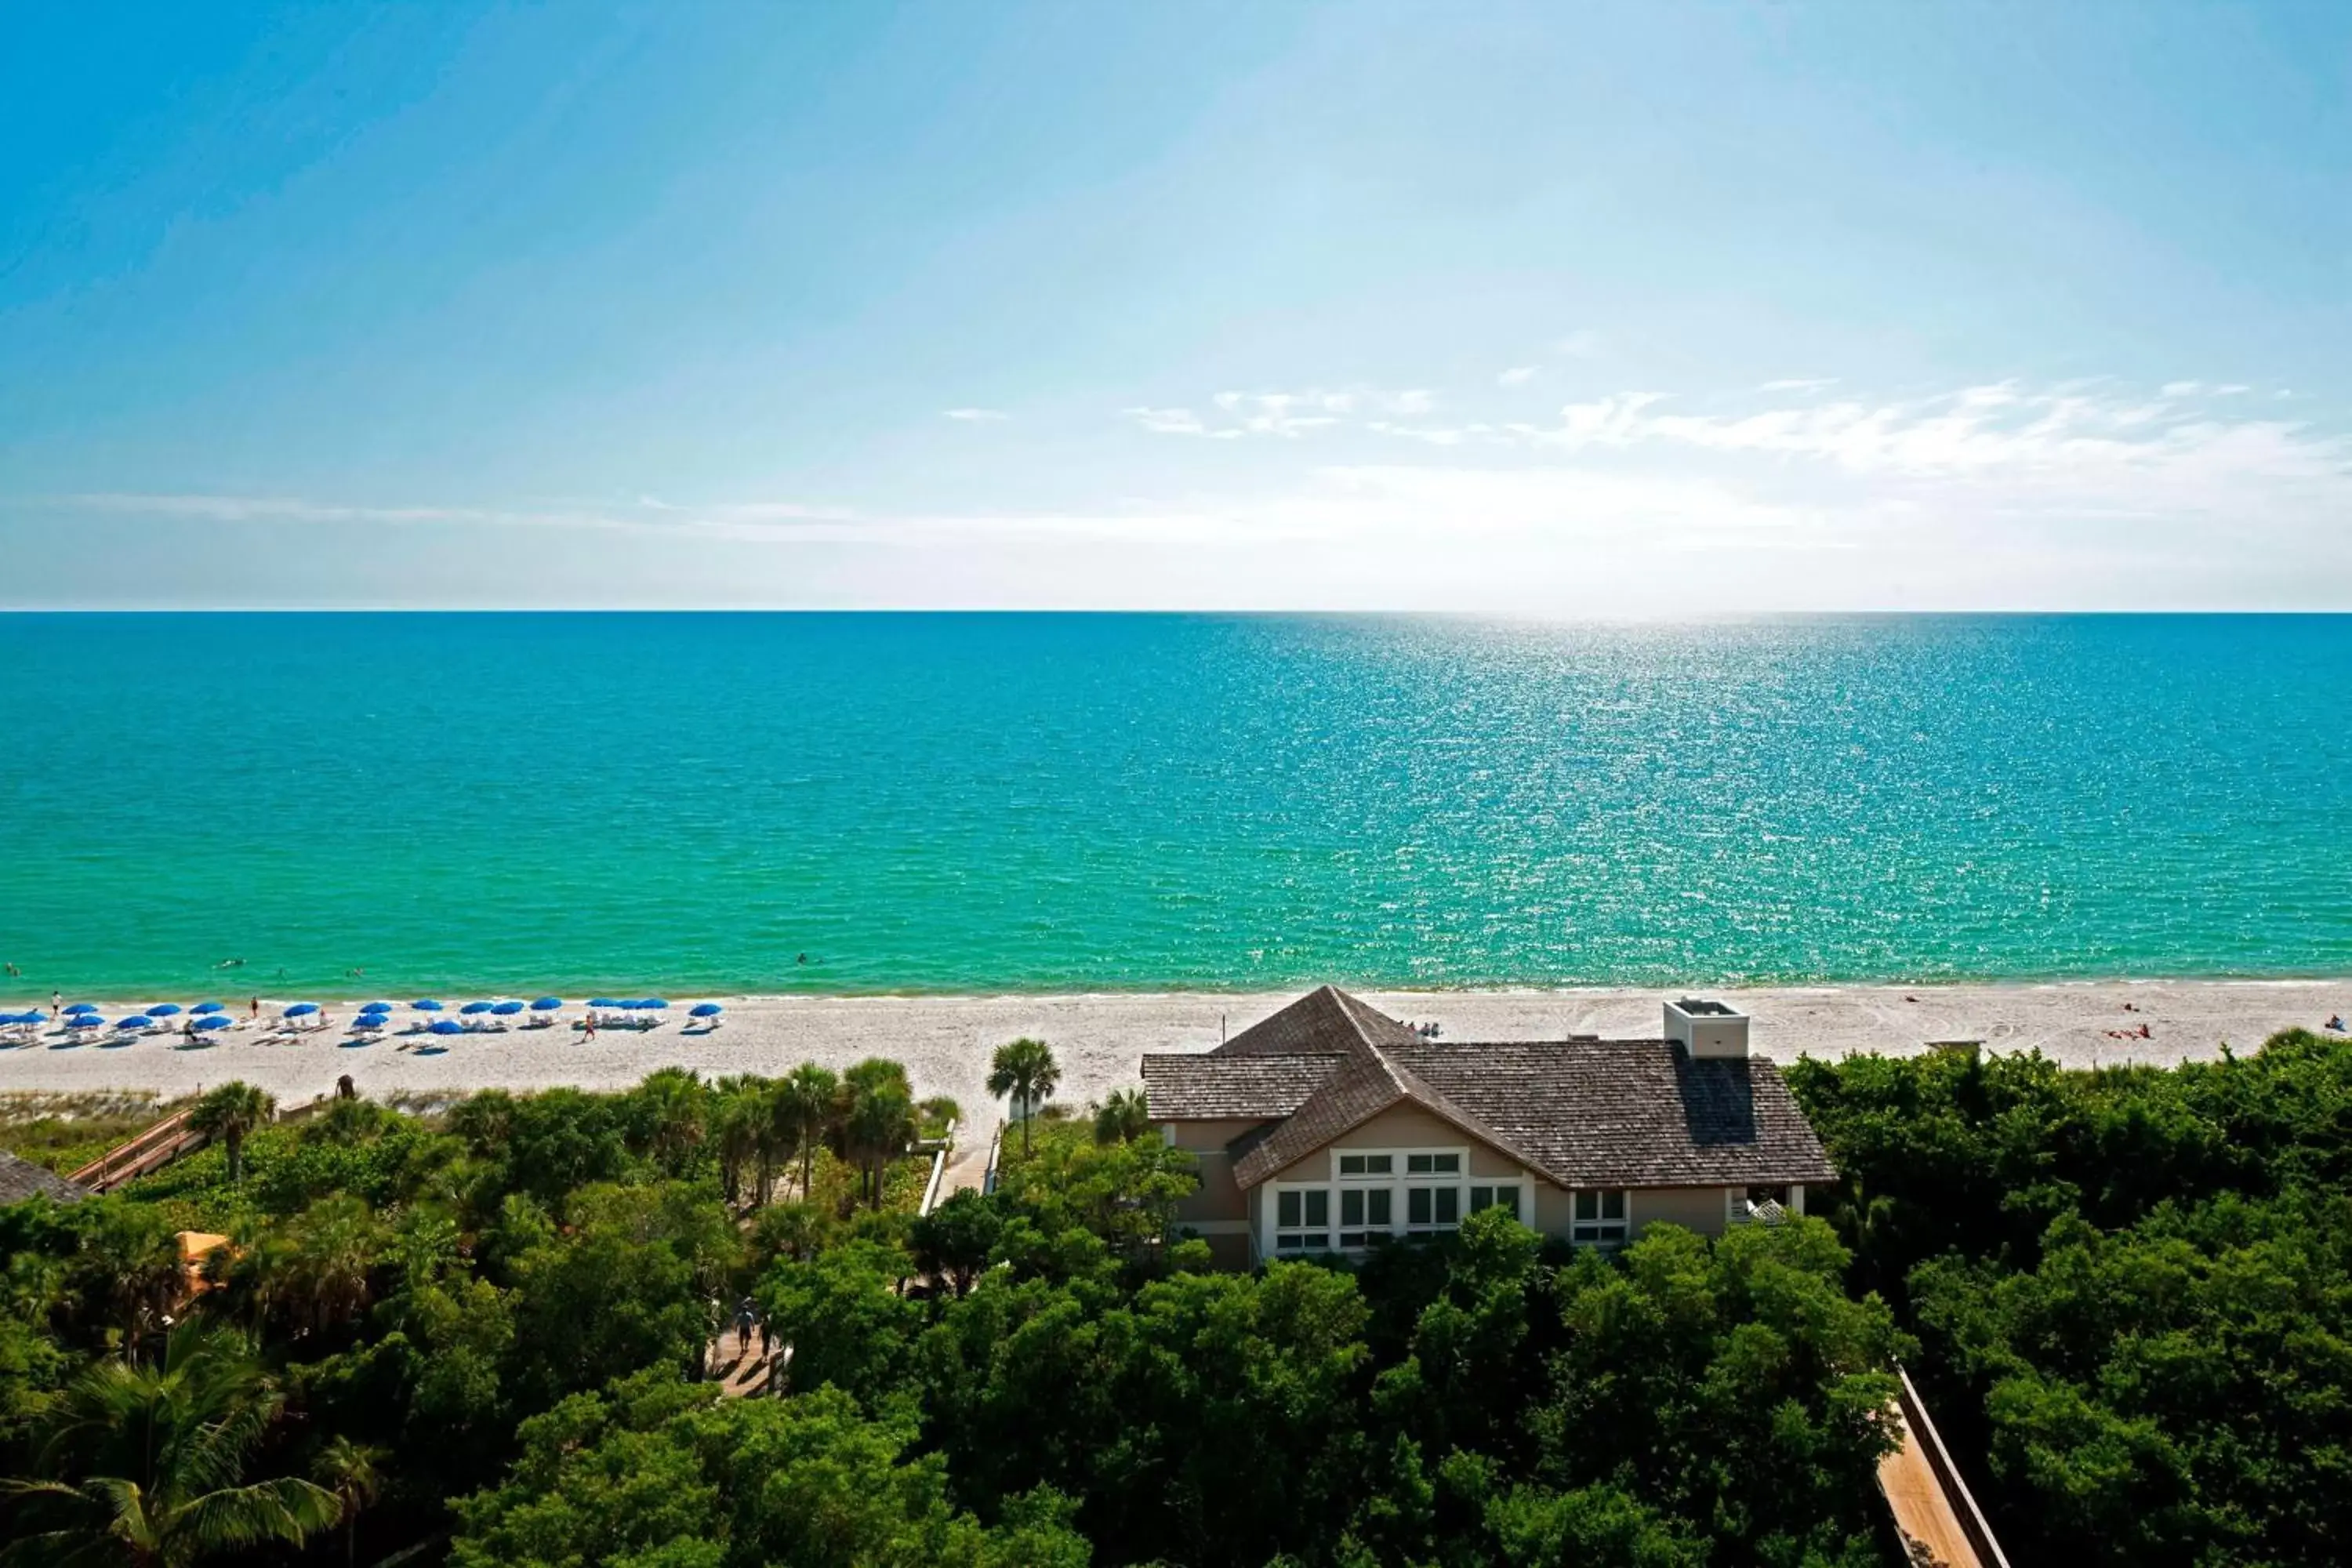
(699, 803)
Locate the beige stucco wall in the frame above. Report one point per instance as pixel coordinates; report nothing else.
(1701, 1209)
(1218, 1196)
(1553, 1209)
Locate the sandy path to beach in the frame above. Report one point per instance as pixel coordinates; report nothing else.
(946, 1041)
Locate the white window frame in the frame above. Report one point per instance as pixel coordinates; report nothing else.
(1275, 1230)
(1604, 1232)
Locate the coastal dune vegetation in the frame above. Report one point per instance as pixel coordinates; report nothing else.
(486, 1332)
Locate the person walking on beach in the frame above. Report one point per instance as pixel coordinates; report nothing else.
(56, 1004)
(256, 1013)
(589, 1024)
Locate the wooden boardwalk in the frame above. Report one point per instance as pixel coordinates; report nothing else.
(1931, 1505)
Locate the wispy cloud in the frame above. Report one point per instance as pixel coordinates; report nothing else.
(1998, 494)
(1518, 375)
(1179, 422)
(1288, 414)
(975, 415)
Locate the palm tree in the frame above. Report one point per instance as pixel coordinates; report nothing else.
(778, 1135)
(876, 1129)
(161, 1452)
(739, 1116)
(129, 1262)
(1025, 1070)
(674, 1103)
(228, 1113)
(351, 1470)
(806, 1100)
(1123, 1118)
(319, 1267)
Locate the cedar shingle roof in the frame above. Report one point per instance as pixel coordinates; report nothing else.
(1325, 1019)
(1584, 1113)
(1631, 1113)
(21, 1179)
(1210, 1088)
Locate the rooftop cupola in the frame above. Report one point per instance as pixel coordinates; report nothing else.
(1707, 1029)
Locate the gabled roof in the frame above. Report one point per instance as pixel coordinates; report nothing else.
(1210, 1088)
(1582, 1113)
(1327, 1020)
(21, 1179)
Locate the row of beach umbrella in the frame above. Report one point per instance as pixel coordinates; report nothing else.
(211, 1015)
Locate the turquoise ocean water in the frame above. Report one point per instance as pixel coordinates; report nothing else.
(944, 802)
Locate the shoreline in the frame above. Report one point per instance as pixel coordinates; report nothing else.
(945, 1041)
(22, 991)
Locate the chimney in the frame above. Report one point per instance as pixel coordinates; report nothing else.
(1706, 1029)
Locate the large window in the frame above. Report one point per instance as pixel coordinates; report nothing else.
(1433, 1206)
(1377, 1193)
(1302, 1219)
(1600, 1219)
(1506, 1198)
(1363, 1214)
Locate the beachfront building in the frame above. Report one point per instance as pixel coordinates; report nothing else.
(1329, 1125)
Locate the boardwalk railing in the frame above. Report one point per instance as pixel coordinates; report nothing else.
(151, 1150)
(938, 1169)
(1959, 1505)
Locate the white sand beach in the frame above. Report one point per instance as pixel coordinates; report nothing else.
(946, 1041)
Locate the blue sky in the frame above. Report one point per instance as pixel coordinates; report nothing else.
(1546, 309)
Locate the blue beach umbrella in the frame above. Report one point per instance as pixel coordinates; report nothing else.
(164, 1010)
(705, 1010)
(428, 1006)
(136, 1021)
(85, 1020)
(375, 1010)
(212, 1021)
(507, 1009)
(653, 1003)
(606, 1002)
(206, 1009)
(474, 1007)
(74, 1008)
(547, 1004)
(447, 1026)
(301, 1009)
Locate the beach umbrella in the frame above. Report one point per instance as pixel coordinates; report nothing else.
(301, 1009)
(655, 1002)
(473, 1007)
(547, 1004)
(705, 1010)
(164, 1010)
(606, 1002)
(136, 1021)
(212, 1021)
(74, 1008)
(84, 1021)
(447, 1026)
(375, 1010)
(507, 1009)
(427, 1007)
(206, 1009)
